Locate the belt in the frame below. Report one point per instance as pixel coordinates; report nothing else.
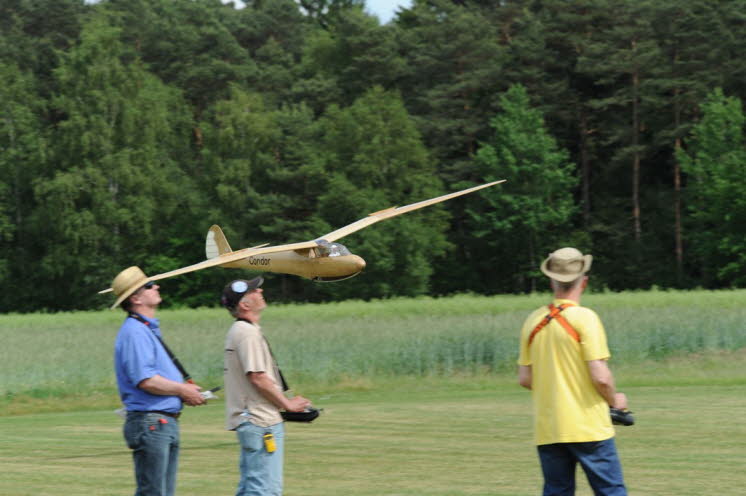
(161, 412)
(167, 414)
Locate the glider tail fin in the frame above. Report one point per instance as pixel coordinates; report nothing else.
(216, 244)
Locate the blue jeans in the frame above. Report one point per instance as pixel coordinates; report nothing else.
(261, 471)
(154, 440)
(599, 460)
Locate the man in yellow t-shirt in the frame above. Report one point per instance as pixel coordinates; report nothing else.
(562, 360)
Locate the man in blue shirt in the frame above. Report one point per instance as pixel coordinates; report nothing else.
(150, 385)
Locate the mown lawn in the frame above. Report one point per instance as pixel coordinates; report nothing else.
(461, 436)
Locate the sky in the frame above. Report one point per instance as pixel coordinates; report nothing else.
(383, 9)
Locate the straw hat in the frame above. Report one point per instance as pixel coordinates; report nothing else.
(566, 264)
(127, 282)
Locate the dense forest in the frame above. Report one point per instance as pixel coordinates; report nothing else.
(128, 127)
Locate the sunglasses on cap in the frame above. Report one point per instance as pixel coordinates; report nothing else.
(239, 286)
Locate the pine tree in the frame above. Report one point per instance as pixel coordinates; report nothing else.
(565, 33)
(357, 54)
(625, 60)
(186, 44)
(275, 35)
(455, 65)
(327, 12)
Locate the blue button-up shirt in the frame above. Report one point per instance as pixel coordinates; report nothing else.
(138, 355)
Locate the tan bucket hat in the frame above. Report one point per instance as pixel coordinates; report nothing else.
(127, 282)
(566, 264)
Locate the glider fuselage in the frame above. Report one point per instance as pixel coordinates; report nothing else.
(309, 263)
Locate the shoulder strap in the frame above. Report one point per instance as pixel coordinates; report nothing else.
(285, 386)
(564, 323)
(177, 363)
(554, 313)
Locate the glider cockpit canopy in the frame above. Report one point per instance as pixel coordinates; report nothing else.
(326, 249)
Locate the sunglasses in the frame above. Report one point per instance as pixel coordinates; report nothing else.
(239, 287)
(148, 285)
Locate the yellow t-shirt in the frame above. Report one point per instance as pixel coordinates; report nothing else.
(567, 407)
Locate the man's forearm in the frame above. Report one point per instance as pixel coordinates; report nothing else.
(525, 376)
(268, 389)
(161, 386)
(608, 391)
(603, 380)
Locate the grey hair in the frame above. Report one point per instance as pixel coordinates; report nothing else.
(234, 311)
(564, 287)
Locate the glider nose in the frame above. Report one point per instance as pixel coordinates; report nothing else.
(359, 263)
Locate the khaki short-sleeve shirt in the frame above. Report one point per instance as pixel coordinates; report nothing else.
(246, 350)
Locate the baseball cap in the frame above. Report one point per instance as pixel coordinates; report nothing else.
(235, 290)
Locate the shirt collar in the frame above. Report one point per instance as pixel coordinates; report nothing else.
(152, 323)
(560, 301)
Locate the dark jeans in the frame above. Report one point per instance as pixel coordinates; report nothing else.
(154, 440)
(599, 460)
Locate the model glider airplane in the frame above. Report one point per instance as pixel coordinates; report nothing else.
(321, 259)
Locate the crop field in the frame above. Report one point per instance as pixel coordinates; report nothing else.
(71, 353)
(419, 397)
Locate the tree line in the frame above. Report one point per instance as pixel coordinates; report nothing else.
(127, 128)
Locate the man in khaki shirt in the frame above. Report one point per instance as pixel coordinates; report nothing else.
(254, 392)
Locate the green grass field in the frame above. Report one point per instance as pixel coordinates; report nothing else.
(419, 397)
(415, 437)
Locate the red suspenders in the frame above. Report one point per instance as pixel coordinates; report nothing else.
(554, 313)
